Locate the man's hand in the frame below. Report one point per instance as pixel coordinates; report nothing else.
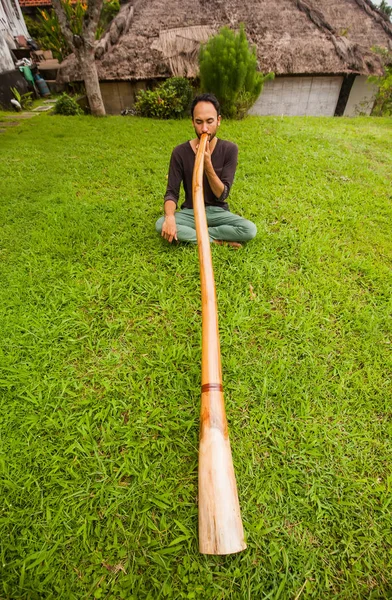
(169, 228)
(207, 156)
(216, 184)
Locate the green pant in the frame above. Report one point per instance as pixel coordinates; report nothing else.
(222, 225)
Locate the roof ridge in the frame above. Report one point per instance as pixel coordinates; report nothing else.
(118, 27)
(376, 14)
(315, 15)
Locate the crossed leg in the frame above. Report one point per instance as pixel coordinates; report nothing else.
(222, 226)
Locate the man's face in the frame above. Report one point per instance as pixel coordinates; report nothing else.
(205, 119)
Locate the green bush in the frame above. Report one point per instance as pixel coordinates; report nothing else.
(383, 104)
(182, 88)
(67, 106)
(228, 69)
(169, 100)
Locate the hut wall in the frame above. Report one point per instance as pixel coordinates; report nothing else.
(119, 95)
(11, 18)
(361, 98)
(299, 96)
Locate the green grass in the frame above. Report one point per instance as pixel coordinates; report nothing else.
(100, 363)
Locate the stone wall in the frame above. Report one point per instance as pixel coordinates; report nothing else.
(8, 80)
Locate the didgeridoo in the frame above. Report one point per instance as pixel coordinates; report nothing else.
(220, 524)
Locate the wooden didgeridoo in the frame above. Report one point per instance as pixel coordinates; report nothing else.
(220, 524)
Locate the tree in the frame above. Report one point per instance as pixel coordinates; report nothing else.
(228, 69)
(81, 41)
(384, 6)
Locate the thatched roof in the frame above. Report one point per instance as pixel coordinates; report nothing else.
(150, 39)
(180, 47)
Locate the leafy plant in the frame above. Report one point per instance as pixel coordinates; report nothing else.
(182, 88)
(110, 9)
(17, 94)
(66, 105)
(169, 100)
(47, 32)
(228, 68)
(383, 103)
(25, 100)
(34, 27)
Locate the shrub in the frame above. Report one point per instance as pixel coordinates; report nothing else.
(228, 69)
(182, 88)
(169, 100)
(383, 103)
(67, 106)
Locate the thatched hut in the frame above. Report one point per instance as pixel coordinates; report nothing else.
(320, 50)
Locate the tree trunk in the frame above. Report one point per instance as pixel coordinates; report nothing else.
(90, 77)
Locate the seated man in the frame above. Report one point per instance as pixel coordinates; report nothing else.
(220, 162)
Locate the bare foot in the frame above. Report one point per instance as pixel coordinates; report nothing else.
(236, 245)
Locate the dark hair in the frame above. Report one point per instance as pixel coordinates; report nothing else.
(205, 98)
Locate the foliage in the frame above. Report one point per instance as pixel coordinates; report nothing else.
(66, 105)
(158, 103)
(17, 94)
(383, 103)
(100, 364)
(169, 100)
(25, 100)
(182, 88)
(228, 69)
(386, 8)
(34, 27)
(47, 32)
(51, 36)
(110, 9)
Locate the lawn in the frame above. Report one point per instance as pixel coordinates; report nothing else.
(100, 363)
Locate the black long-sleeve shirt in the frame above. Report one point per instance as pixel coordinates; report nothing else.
(224, 160)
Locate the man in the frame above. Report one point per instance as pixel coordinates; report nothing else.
(220, 162)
